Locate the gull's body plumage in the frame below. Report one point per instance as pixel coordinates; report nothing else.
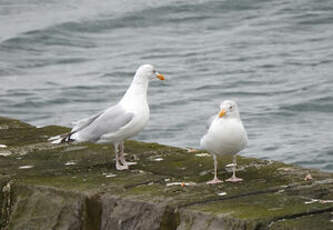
(226, 135)
(119, 122)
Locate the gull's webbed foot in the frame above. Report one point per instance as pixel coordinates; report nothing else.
(234, 179)
(215, 181)
(128, 163)
(121, 167)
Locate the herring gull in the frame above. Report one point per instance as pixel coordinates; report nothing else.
(119, 122)
(225, 135)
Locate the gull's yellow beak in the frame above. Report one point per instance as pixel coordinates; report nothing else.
(222, 113)
(160, 76)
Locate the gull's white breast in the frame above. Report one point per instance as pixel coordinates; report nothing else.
(225, 136)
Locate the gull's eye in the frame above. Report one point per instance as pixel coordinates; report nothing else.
(230, 107)
(154, 71)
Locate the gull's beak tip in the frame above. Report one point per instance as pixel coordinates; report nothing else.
(160, 76)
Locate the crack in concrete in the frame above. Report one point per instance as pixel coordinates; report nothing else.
(289, 187)
(6, 203)
(297, 215)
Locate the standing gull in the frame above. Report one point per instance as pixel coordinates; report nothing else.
(119, 122)
(225, 135)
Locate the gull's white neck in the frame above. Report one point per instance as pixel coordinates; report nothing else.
(137, 92)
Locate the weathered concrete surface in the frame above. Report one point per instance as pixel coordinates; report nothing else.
(67, 186)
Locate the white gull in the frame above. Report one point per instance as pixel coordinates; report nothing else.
(119, 122)
(226, 135)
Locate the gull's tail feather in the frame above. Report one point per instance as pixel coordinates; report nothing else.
(64, 138)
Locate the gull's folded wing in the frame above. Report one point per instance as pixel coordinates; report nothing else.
(107, 122)
(81, 124)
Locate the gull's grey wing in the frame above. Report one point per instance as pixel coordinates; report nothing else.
(78, 125)
(110, 121)
(81, 124)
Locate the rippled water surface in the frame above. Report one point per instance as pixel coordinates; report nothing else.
(64, 60)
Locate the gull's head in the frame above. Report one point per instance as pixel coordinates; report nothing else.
(148, 71)
(228, 108)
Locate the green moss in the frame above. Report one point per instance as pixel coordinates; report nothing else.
(93, 213)
(23, 134)
(170, 219)
(261, 208)
(254, 202)
(8, 123)
(319, 221)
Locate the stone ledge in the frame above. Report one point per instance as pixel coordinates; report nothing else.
(66, 186)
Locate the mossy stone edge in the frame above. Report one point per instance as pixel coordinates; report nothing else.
(77, 187)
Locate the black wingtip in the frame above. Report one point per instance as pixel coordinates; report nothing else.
(67, 138)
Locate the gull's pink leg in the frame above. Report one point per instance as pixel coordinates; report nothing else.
(122, 157)
(234, 178)
(119, 166)
(215, 180)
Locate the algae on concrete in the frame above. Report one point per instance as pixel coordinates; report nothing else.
(76, 186)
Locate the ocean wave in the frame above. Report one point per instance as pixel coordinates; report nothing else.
(321, 104)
